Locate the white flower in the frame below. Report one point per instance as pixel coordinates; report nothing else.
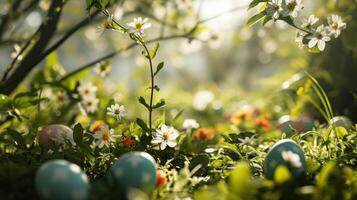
(189, 124)
(319, 38)
(165, 136)
(292, 8)
(16, 53)
(183, 4)
(116, 111)
(202, 99)
(247, 140)
(105, 136)
(336, 24)
(90, 103)
(300, 39)
(139, 25)
(274, 8)
(291, 158)
(307, 23)
(87, 89)
(102, 69)
(60, 97)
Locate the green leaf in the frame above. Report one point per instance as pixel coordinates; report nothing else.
(78, 133)
(256, 18)
(143, 102)
(17, 137)
(142, 125)
(340, 131)
(240, 178)
(158, 68)
(5, 102)
(266, 20)
(157, 88)
(154, 50)
(160, 104)
(254, 3)
(202, 159)
(282, 174)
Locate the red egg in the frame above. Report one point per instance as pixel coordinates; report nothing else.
(57, 133)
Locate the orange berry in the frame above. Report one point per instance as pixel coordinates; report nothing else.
(160, 178)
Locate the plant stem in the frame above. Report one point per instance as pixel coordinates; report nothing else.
(152, 84)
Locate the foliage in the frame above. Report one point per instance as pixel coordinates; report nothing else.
(208, 149)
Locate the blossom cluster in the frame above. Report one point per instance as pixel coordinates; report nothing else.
(311, 34)
(318, 36)
(88, 95)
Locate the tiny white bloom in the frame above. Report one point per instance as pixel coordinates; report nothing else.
(183, 4)
(117, 111)
(336, 24)
(292, 8)
(60, 97)
(90, 103)
(165, 136)
(300, 39)
(202, 99)
(105, 136)
(291, 158)
(87, 89)
(189, 124)
(139, 25)
(102, 69)
(247, 140)
(16, 53)
(319, 38)
(307, 23)
(274, 8)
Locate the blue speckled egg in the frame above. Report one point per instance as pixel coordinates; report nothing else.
(285, 152)
(61, 180)
(343, 121)
(134, 170)
(286, 125)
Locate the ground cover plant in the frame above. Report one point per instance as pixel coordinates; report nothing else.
(83, 133)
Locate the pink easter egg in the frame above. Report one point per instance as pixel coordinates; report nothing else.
(57, 133)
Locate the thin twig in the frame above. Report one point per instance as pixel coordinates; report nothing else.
(187, 35)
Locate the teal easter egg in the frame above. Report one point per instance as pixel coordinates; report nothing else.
(286, 125)
(61, 180)
(341, 121)
(285, 152)
(134, 170)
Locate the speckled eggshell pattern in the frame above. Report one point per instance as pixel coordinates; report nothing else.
(61, 180)
(134, 170)
(286, 125)
(342, 121)
(57, 133)
(274, 159)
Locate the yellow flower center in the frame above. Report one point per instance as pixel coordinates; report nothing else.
(319, 36)
(139, 25)
(106, 136)
(165, 135)
(291, 6)
(276, 7)
(334, 25)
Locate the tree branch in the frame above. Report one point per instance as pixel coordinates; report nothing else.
(31, 59)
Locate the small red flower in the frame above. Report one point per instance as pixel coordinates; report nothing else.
(204, 134)
(128, 141)
(160, 178)
(263, 123)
